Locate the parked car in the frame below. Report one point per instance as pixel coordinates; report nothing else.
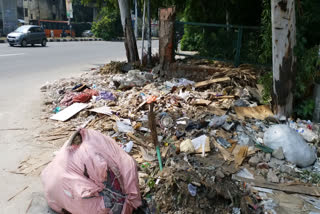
(87, 33)
(27, 34)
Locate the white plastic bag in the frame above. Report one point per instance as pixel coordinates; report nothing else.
(295, 149)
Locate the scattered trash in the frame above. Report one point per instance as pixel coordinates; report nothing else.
(258, 112)
(295, 149)
(56, 109)
(192, 190)
(68, 112)
(244, 173)
(114, 177)
(124, 126)
(223, 142)
(187, 146)
(105, 95)
(128, 147)
(206, 132)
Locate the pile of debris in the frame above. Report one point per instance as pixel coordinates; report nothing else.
(221, 149)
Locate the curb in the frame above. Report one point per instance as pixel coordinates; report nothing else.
(73, 40)
(65, 40)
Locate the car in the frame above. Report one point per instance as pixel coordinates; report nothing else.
(87, 33)
(27, 34)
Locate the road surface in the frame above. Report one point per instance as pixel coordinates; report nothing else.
(22, 72)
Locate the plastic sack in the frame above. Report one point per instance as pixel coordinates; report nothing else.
(295, 149)
(80, 177)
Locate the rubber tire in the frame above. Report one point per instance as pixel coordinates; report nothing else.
(24, 43)
(11, 45)
(43, 43)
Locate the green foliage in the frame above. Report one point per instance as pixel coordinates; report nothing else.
(108, 27)
(81, 13)
(305, 109)
(266, 80)
(265, 57)
(219, 42)
(306, 51)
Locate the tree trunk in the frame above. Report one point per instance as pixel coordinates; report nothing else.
(283, 59)
(129, 40)
(149, 35)
(166, 39)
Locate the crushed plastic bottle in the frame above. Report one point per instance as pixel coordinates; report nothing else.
(128, 147)
(217, 121)
(192, 190)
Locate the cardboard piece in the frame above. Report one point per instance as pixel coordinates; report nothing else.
(102, 110)
(258, 112)
(68, 112)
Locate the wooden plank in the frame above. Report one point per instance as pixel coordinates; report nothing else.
(69, 112)
(209, 82)
(202, 102)
(297, 188)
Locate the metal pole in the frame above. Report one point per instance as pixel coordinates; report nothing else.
(136, 19)
(149, 34)
(239, 41)
(70, 26)
(143, 27)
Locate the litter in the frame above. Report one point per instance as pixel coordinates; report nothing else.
(295, 149)
(192, 190)
(68, 112)
(113, 184)
(124, 126)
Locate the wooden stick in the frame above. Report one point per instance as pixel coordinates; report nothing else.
(152, 125)
(209, 82)
(137, 140)
(13, 129)
(18, 193)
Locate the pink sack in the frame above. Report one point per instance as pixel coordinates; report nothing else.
(76, 178)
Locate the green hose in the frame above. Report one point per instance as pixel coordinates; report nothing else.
(159, 157)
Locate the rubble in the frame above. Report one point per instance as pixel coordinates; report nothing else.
(213, 134)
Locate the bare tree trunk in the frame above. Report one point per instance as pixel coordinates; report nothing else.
(130, 40)
(166, 39)
(283, 59)
(149, 35)
(143, 27)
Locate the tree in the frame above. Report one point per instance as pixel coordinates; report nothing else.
(130, 40)
(284, 61)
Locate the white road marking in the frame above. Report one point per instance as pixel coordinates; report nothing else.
(12, 54)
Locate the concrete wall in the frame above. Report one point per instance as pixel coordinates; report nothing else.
(9, 15)
(20, 9)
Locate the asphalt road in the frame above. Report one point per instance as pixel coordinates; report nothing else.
(22, 72)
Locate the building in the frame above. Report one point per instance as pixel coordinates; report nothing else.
(44, 9)
(8, 16)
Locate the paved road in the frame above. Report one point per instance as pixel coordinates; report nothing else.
(22, 72)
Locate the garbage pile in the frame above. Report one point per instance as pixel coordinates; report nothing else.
(221, 149)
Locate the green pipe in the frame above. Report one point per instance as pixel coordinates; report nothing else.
(159, 157)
